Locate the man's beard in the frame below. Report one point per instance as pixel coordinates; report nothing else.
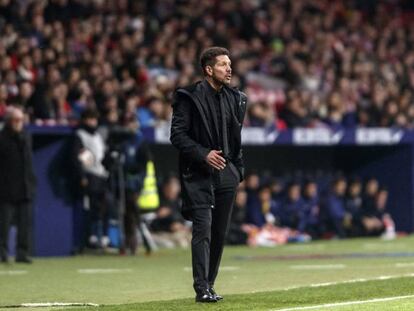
(220, 82)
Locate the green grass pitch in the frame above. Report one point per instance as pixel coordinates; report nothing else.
(359, 274)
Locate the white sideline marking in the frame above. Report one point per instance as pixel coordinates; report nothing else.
(318, 267)
(404, 264)
(378, 278)
(13, 272)
(59, 304)
(346, 303)
(224, 268)
(99, 271)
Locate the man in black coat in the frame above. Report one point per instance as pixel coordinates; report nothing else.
(206, 129)
(17, 184)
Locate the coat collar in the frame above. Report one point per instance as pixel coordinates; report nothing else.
(196, 96)
(209, 89)
(196, 92)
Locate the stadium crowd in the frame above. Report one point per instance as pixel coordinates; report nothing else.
(303, 63)
(272, 210)
(276, 210)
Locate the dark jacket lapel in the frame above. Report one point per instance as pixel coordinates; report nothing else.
(211, 105)
(195, 97)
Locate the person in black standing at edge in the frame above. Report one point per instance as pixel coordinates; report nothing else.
(17, 184)
(136, 155)
(206, 129)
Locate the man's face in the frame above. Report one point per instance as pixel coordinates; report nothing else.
(17, 121)
(372, 187)
(221, 71)
(133, 125)
(294, 192)
(265, 195)
(252, 181)
(355, 189)
(340, 187)
(241, 198)
(311, 189)
(91, 122)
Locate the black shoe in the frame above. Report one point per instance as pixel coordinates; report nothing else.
(23, 259)
(205, 296)
(214, 294)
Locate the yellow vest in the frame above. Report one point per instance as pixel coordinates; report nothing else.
(148, 199)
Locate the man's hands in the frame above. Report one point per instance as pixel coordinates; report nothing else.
(215, 159)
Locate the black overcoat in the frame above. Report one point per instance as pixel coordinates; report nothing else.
(192, 136)
(17, 179)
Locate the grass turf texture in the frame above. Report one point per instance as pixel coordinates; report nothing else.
(260, 283)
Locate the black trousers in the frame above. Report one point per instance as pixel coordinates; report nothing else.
(210, 226)
(21, 213)
(101, 200)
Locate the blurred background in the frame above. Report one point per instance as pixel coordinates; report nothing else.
(328, 135)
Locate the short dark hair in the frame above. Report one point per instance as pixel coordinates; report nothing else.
(208, 56)
(89, 113)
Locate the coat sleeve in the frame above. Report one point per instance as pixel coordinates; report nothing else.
(241, 111)
(180, 129)
(239, 164)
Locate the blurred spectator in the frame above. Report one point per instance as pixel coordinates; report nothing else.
(262, 210)
(375, 219)
(309, 213)
(17, 184)
(237, 233)
(371, 222)
(169, 226)
(88, 153)
(335, 206)
(252, 184)
(294, 113)
(3, 100)
(288, 213)
(353, 208)
(276, 187)
(388, 222)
